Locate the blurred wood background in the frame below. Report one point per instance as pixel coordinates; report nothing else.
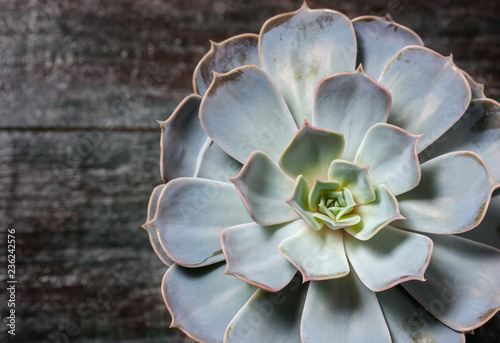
(82, 84)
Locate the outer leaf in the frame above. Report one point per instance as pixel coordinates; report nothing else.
(224, 57)
(378, 40)
(451, 198)
(243, 111)
(153, 202)
(342, 310)
(391, 154)
(487, 231)
(375, 215)
(429, 93)
(181, 140)
(152, 230)
(270, 317)
(410, 322)
(215, 164)
(389, 258)
(310, 152)
(476, 88)
(252, 254)
(478, 130)
(202, 301)
(264, 189)
(191, 215)
(300, 48)
(318, 255)
(462, 282)
(350, 103)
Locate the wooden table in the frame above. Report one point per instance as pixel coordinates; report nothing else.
(82, 84)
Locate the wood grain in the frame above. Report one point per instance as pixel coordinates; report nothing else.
(82, 84)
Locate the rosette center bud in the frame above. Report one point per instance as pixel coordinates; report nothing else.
(325, 203)
(337, 205)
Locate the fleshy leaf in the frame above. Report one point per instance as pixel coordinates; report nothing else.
(264, 189)
(181, 140)
(203, 301)
(389, 258)
(410, 322)
(252, 254)
(215, 164)
(243, 111)
(318, 255)
(429, 93)
(452, 196)
(375, 215)
(191, 215)
(487, 231)
(353, 177)
(462, 282)
(270, 317)
(391, 154)
(225, 56)
(350, 103)
(310, 152)
(299, 202)
(348, 306)
(378, 40)
(478, 130)
(151, 229)
(300, 48)
(477, 89)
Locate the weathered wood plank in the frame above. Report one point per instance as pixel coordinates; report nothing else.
(76, 200)
(100, 63)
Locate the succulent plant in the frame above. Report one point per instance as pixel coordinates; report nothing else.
(315, 183)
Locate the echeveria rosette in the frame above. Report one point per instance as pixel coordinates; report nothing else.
(316, 181)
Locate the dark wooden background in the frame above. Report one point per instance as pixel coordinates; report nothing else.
(81, 85)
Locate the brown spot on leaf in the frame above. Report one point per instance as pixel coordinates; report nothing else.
(393, 26)
(231, 77)
(229, 328)
(276, 23)
(207, 67)
(324, 19)
(486, 315)
(297, 65)
(224, 57)
(480, 213)
(416, 327)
